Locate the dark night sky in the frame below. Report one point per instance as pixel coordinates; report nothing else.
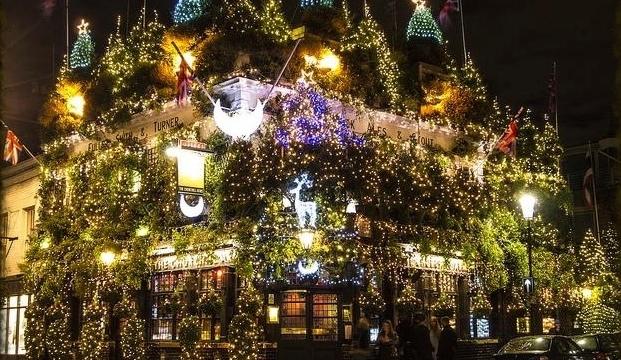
(513, 42)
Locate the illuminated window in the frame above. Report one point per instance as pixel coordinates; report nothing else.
(325, 317)
(522, 325)
(293, 315)
(12, 324)
(30, 220)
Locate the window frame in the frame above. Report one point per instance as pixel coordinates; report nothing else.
(5, 318)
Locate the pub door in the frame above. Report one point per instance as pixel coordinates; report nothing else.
(309, 325)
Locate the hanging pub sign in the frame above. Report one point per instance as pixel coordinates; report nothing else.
(190, 157)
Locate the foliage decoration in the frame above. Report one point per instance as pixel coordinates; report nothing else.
(244, 331)
(595, 318)
(189, 335)
(273, 22)
(92, 340)
(407, 303)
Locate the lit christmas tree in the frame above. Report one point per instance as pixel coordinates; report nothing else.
(594, 264)
(188, 10)
(92, 335)
(309, 3)
(273, 22)
(423, 25)
(244, 332)
(84, 49)
(598, 318)
(610, 242)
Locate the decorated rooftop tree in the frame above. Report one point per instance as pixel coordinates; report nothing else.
(83, 50)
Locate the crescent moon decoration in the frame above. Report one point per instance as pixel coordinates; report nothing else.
(239, 124)
(309, 269)
(191, 211)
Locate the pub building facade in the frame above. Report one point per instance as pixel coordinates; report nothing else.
(305, 317)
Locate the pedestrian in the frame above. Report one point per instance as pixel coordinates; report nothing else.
(421, 342)
(447, 347)
(364, 331)
(388, 341)
(556, 330)
(434, 335)
(404, 331)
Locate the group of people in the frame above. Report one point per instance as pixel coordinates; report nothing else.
(414, 339)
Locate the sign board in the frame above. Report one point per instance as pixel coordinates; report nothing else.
(143, 128)
(188, 261)
(528, 285)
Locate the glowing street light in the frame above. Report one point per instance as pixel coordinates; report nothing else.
(527, 203)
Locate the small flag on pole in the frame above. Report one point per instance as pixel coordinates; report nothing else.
(587, 182)
(449, 7)
(12, 147)
(508, 141)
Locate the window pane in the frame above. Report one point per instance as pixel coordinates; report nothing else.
(3, 320)
(23, 301)
(13, 301)
(12, 335)
(325, 320)
(21, 349)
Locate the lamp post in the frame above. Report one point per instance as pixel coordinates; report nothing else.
(527, 203)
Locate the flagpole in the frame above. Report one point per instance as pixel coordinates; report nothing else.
(463, 31)
(555, 99)
(66, 32)
(24, 146)
(594, 187)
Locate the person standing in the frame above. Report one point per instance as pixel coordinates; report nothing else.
(420, 339)
(364, 331)
(388, 341)
(447, 347)
(404, 331)
(434, 335)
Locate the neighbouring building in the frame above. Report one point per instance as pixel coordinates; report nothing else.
(18, 218)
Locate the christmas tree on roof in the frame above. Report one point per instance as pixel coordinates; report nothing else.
(594, 264)
(83, 49)
(188, 10)
(309, 3)
(422, 24)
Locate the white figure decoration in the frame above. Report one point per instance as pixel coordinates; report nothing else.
(306, 210)
(241, 123)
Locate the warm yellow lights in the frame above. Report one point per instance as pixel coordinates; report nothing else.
(587, 293)
(306, 237)
(143, 230)
(83, 27)
(189, 59)
(327, 61)
(75, 104)
(272, 314)
(107, 257)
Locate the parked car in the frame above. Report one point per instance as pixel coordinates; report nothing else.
(603, 346)
(543, 347)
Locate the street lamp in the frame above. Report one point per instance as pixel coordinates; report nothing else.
(527, 203)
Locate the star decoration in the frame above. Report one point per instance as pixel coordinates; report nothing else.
(419, 3)
(83, 27)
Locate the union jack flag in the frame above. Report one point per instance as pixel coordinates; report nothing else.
(12, 147)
